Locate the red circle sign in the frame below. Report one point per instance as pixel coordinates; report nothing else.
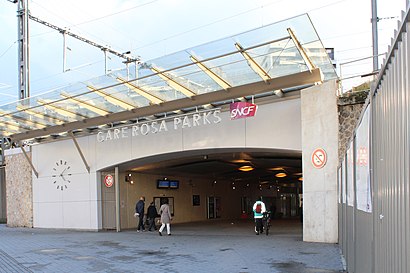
(319, 158)
(109, 180)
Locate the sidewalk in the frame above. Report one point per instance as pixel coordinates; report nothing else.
(200, 247)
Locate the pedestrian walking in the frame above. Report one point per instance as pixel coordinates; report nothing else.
(166, 217)
(151, 215)
(139, 211)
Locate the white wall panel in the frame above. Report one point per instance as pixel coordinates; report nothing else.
(49, 215)
(45, 156)
(76, 215)
(110, 151)
(227, 133)
(95, 215)
(93, 187)
(159, 143)
(45, 190)
(276, 125)
(78, 189)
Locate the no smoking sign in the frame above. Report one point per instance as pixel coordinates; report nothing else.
(108, 180)
(319, 158)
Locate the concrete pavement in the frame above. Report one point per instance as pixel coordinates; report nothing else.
(214, 246)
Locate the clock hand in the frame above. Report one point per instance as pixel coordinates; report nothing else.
(63, 171)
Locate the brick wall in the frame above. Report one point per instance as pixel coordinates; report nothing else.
(19, 191)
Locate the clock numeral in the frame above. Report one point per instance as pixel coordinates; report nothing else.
(62, 188)
(54, 182)
(61, 161)
(54, 169)
(65, 162)
(68, 181)
(65, 186)
(58, 186)
(54, 175)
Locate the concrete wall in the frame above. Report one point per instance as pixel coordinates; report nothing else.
(78, 206)
(19, 189)
(320, 130)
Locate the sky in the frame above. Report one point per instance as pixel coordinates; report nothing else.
(153, 28)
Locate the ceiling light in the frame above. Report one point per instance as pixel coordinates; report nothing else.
(280, 175)
(240, 161)
(246, 168)
(277, 169)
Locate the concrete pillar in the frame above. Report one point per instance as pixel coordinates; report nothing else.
(320, 128)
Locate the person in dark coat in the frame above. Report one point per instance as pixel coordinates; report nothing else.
(139, 211)
(151, 215)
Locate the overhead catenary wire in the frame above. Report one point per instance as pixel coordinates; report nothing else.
(4, 53)
(71, 25)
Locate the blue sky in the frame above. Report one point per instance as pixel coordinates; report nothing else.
(153, 28)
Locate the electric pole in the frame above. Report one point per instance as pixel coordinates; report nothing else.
(375, 38)
(24, 49)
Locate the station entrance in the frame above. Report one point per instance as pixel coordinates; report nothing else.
(208, 184)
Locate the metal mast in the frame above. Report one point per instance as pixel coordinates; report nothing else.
(23, 38)
(374, 21)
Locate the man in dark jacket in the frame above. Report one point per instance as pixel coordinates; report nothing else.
(151, 215)
(139, 210)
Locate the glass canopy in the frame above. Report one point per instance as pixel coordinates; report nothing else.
(262, 55)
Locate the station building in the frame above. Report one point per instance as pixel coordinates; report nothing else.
(211, 128)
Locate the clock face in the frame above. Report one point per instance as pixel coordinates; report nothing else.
(61, 174)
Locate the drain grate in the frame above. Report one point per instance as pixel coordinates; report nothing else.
(9, 264)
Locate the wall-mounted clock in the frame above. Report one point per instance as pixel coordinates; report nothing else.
(61, 174)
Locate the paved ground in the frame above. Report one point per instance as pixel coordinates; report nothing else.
(207, 247)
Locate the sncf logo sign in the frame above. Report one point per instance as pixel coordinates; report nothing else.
(242, 110)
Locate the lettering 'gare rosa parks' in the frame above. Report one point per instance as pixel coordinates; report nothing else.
(181, 122)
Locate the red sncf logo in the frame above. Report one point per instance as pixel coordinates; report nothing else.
(242, 110)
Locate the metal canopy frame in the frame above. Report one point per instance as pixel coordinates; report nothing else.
(268, 59)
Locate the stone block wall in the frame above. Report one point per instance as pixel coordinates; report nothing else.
(2, 195)
(350, 109)
(19, 192)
